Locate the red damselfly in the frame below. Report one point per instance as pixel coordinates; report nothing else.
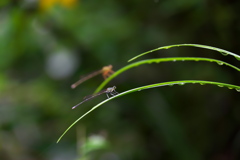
(106, 71)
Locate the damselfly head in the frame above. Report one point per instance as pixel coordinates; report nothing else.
(107, 68)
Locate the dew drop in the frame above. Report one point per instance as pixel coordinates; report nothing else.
(238, 90)
(166, 47)
(150, 62)
(224, 53)
(202, 83)
(220, 85)
(174, 60)
(238, 58)
(181, 84)
(220, 63)
(230, 88)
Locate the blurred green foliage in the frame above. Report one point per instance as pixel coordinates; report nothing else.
(44, 50)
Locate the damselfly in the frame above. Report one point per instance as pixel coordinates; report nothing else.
(110, 90)
(106, 71)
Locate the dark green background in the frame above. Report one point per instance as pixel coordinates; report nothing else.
(43, 52)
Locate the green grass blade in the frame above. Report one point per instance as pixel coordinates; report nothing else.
(229, 86)
(224, 52)
(158, 60)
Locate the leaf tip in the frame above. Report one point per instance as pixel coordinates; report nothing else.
(58, 141)
(130, 60)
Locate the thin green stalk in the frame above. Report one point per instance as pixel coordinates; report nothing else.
(229, 86)
(224, 52)
(158, 60)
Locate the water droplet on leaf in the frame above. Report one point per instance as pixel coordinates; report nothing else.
(181, 84)
(224, 53)
(238, 58)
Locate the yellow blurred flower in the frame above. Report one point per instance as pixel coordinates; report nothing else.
(48, 4)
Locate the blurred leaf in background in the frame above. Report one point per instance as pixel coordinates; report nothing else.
(48, 4)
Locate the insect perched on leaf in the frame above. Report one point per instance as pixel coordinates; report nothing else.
(106, 71)
(110, 90)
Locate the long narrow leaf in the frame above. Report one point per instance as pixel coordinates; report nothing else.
(224, 52)
(229, 86)
(159, 60)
